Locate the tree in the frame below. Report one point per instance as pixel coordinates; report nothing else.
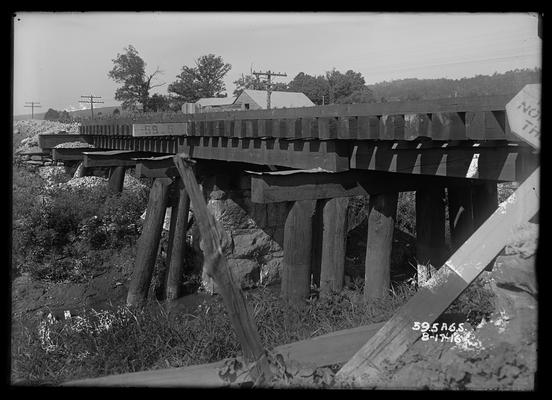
(159, 102)
(254, 83)
(116, 112)
(363, 95)
(130, 70)
(342, 86)
(314, 87)
(333, 87)
(205, 79)
(247, 82)
(51, 115)
(64, 116)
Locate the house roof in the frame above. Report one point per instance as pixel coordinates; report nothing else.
(215, 101)
(280, 99)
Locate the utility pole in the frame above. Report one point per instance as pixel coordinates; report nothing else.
(268, 83)
(91, 101)
(32, 104)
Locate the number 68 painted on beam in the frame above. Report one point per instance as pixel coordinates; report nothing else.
(150, 129)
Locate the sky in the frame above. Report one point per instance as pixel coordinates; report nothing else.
(59, 57)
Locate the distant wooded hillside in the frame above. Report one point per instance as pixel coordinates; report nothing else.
(480, 85)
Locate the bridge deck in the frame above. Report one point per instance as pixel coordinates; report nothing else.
(456, 137)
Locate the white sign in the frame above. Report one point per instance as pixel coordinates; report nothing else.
(524, 114)
(160, 129)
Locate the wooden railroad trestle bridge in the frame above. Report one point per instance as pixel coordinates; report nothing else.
(315, 158)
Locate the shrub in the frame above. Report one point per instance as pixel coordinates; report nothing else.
(53, 237)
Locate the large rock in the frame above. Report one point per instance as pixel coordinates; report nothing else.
(253, 244)
(230, 214)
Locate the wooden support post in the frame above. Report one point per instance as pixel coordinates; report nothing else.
(334, 240)
(148, 243)
(317, 227)
(485, 200)
(296, 271)
(81, 171)
(381, 222)
(430, 230)
(116, 179)
(216, 267)
(461, 219)
(177, 243)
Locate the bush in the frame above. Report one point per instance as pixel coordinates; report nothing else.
(54, 237)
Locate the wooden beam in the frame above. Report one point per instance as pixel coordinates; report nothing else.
(177, 240)
(148, 243)
(216, 267)
(71, 154)
(160, 129)
(381, 223)
(49, 141)
(296, 269)
(156, 167)
(499, 163)
(112, 158)
(462, 268)
(430, 230)
(310, 185)
(116, 179)
(334, 239)
(330, 155)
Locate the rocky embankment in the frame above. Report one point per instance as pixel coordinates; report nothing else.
(26, 150)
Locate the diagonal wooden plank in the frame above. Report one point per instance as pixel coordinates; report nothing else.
(216, 267)
(394, 338)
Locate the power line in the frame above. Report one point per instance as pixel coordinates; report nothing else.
(91, 101)
(479, 61)
(32, 105)
(269, 74)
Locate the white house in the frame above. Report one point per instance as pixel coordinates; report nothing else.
(249, 100)
(257, 99)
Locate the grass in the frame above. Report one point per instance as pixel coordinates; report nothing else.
(121, 340)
